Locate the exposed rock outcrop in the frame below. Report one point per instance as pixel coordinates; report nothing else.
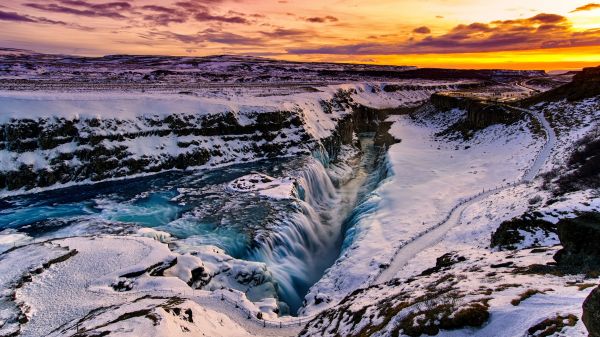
(510, 234)
(579, 237)
(591, 313)
(443, 262)
(51, 151)
(582, 168)
(480, 114)
(585, 84)
(362, 119)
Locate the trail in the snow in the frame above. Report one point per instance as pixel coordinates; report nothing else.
(435, 234)
(545, 151)
(284, 326)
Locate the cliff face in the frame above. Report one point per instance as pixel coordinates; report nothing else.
(362, 119)
(38, 153)
(44, 152)
(83, 138)
(479, 114)
(585, 84)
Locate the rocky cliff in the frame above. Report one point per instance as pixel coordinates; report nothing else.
(591, 313)
(49, 151)
(585, 84)
(479, 114)
(45, 151)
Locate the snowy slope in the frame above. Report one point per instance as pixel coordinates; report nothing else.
(80, 291)
(461, 276)
(428, 176)
(67, 121)
(60, 139)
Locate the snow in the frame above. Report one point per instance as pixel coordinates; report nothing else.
(428, 178)
(571, 204)
(104, 106)
(472, 240)
(129, 120)
(164, 318)
(265, 185)
(13, 266)
(435, 235)
(130, 105)
(61, 294)
(538, 238)
(157, 235)
(10, 238)
(469, 237)
(66, 292)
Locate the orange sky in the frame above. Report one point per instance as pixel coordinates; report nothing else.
(518, 34)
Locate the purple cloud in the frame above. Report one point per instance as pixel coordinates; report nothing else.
(163, 16)
(206, 16)
(12, 16)
(110, 10)
(324, 19)
(283, 33)
(16, 17)
(160, 9)
(422, 30)
(208, 35)
(539, 31)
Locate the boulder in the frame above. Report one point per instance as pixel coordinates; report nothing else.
(510, 234)
(579, 237)
(591, 313)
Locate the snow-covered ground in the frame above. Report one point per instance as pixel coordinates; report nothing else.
(428, 177)
(135, 133)
(430, 237)
(81, 292)
(495, 281)
(149, 282)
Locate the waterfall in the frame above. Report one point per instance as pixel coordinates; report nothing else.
(297, 238)
(332, 197)
(302, 245)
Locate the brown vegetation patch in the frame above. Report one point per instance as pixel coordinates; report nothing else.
(446, 315)
(525, 295)
(550, 326)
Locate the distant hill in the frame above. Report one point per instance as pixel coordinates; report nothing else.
(585, 84)
(19, 67)
(15, 51)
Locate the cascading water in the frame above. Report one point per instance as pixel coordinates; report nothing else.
(297, 238)
(300, 247)
(310, 240)
(369, 199)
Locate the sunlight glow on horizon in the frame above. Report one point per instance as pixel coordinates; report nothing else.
(512, 34)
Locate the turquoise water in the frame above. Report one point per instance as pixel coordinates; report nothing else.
(298, 239)
(183, 203)
(195, 206)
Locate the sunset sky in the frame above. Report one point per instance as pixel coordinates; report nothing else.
(518, 34)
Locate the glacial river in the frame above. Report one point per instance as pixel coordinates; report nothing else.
(298, 237)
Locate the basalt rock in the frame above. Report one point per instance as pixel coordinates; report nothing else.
(510, 233)
(591, 313)
(362, 119)
(579, 237)
(67, 150)
(444, 262)
(51, 151)
(480, 114)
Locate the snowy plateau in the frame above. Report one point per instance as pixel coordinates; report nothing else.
(242, 196)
